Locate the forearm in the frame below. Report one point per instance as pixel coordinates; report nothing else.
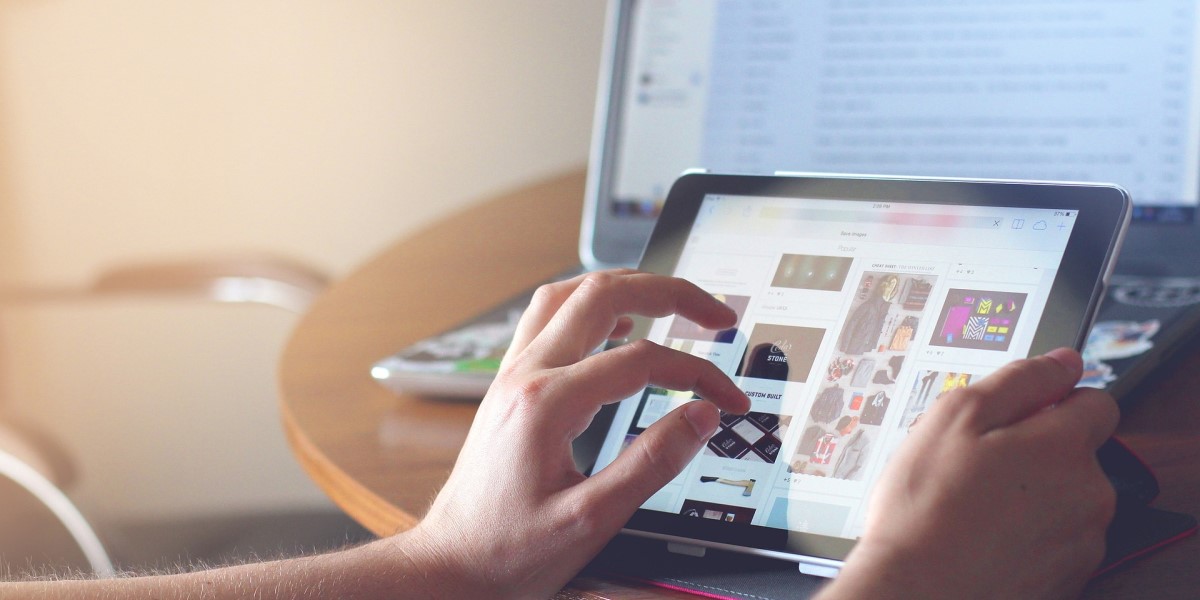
(383, 569)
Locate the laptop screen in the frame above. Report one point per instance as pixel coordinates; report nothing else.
(1053, 89)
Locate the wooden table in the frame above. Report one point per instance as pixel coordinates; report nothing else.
(381, 458)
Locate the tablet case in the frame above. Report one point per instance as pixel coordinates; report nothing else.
(1136, 530)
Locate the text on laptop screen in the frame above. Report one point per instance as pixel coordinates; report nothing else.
(1056, 89)
(854, 318)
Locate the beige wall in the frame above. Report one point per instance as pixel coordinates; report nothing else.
(320, 130)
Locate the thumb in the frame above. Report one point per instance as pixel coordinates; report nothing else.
(652, 460)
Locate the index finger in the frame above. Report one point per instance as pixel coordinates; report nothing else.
(593, 308)
(545, 303)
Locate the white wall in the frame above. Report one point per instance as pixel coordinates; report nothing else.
(320, 130)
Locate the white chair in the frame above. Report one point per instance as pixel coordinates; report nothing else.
(34, 481)
(251, 278)
(36, 466)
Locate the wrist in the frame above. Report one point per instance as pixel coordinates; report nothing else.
(417, 563)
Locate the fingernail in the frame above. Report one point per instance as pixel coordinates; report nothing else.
(703, 417)
(1068, 358)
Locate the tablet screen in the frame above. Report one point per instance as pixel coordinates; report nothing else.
(855, 317)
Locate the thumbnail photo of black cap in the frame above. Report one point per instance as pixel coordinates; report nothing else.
(781, 352)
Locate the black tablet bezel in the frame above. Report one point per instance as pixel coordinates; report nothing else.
(1074, 296)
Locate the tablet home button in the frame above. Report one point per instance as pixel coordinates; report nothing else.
(819, 570)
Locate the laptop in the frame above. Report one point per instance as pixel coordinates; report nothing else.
(1056, 90)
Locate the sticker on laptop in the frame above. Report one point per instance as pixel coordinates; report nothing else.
(1114, 340)
(1156, 292)
(1096, 374)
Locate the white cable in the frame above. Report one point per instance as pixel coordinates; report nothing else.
(58, 503)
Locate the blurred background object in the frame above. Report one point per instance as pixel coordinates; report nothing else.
(136, 132)
(43, 530)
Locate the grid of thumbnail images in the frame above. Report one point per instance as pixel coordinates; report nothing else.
(858, 385)
(842, 427)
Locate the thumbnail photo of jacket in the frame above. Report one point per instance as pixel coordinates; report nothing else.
(829, 405)
(875, 408)
(854, 456)
(865, 325)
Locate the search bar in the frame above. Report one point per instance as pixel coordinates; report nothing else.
(890, 218)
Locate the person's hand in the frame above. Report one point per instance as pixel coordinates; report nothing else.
(516, 518)
(996, 494)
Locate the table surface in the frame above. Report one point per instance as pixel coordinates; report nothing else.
(382, 457)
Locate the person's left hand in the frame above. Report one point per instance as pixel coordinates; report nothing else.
(996, 494)
(516, 518)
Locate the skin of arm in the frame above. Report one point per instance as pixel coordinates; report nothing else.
(1012, 479)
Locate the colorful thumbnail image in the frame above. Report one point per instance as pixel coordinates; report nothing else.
(978, 319)
(717, 512)
(685, 329)
(928, 387)
(884, 312)
(753, 436)
(810, 272)
(781, 352)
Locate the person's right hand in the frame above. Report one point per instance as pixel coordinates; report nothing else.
(996, 494)
(516, 518)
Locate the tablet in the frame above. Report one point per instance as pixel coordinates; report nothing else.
(861, 301)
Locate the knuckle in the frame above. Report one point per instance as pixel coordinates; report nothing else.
(530, 391)
(637, 357)
(550, 294)
(599, 282)
(641, 349)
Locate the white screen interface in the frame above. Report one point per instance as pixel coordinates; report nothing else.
(854, 319)
(1072, 90)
